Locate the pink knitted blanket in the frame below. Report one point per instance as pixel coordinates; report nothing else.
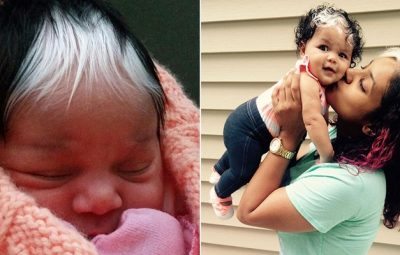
(27, 229)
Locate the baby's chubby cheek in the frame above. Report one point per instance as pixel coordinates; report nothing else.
(169, 196)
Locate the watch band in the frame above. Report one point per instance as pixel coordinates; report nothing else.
(276, 147)
(286, 154)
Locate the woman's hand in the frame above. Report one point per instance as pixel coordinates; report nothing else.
(286, 101)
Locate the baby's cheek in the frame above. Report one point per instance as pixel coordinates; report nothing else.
(169, 197)
(144, 194)
(58, 202)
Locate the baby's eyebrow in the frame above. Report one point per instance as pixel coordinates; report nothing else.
(324, 40)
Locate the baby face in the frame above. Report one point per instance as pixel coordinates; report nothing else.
(87, 163)
(329, 53)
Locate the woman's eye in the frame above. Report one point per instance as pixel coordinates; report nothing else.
(362, 86)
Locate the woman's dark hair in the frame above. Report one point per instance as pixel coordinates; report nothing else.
(28, 28)
(318, 16)
(386, 148)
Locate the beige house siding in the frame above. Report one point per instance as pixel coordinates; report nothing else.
(247, 46)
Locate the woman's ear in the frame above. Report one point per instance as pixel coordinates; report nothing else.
(367, 130)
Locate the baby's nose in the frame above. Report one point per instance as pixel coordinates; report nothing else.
(99, 197)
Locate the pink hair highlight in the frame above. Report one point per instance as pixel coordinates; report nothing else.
(380, 153)
(381, 150)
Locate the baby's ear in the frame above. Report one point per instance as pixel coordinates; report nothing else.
(368, 130)
(302, 49)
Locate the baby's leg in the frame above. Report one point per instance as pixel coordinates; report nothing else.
(246, 139)
(222, 164)
(244, 159)
(219, 168)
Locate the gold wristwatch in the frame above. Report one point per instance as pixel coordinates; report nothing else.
(276, 147)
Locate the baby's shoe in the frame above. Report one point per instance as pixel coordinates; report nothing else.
(222, 206)
(214, 177)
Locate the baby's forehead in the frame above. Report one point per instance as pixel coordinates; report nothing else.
(101, 117)
(335, 32)
(87, 101)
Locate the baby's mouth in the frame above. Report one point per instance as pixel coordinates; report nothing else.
(91, 236)
(100, 227)
(329, 69)
(94, 234)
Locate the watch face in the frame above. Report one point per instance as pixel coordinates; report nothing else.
(275, 145)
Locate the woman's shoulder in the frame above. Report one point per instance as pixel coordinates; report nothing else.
(346, 179)
(344, 171)
(327, 194)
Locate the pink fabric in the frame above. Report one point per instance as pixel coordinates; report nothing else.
(181, 144)
(304, 66)
(27, 229)
(143, 232)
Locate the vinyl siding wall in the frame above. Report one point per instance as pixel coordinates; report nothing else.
(247, 46)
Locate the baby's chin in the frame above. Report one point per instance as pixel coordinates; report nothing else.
(327, 82)
(328, 78)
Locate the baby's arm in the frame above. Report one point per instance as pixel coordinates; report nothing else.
(314, 121)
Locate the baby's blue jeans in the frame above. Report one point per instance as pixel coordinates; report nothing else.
(246, 139)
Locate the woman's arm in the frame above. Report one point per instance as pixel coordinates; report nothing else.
(263, 203)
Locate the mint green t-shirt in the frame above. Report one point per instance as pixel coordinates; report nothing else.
(343, 205)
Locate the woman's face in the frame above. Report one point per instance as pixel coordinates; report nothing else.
(362, 90)
(89, 163)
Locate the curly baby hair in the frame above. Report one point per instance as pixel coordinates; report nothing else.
(327, 15)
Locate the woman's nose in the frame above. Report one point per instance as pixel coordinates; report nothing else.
(99, 196)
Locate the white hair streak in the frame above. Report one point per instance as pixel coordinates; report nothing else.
(328, 17)
(68, 54)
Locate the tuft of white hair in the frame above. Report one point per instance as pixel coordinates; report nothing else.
(328, 17)
(69, 53)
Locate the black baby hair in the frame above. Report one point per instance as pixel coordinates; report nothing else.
(324, 15)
